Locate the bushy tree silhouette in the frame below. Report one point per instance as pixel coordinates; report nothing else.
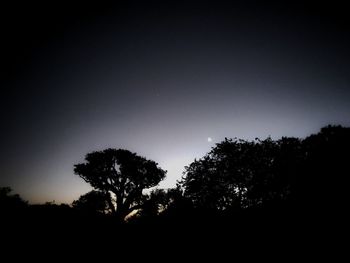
(326, 169)
(93, 202)
(159, 201)
(241, 174)
(155, 202)
(10, 202)
(122, 173)
(309, 174)
(239, 186)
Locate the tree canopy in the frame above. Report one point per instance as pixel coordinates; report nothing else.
(239, 173)
(308, 173)
(123, 173)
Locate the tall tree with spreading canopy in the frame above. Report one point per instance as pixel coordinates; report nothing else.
(123, 173)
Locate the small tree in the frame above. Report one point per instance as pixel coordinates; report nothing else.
(122, 173)
(93, 202)
(10, 203)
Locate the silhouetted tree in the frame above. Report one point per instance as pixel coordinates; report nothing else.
(164, 205)
(93, 202)
(326, 170)
(174, 205)
(205, 186)
(123, 173)
(159, 200)
(154, 203)
(241, 174)
(274, 167)
(10, 202)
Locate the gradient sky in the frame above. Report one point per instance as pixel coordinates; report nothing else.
(159, 79)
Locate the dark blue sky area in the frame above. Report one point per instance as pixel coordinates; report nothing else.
(159, 79)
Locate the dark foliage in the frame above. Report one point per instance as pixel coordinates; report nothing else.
(123, 173)
(326, 170)
(299, 176)
(238, 174)
(11, 204)
(260, 194)
(93, 202)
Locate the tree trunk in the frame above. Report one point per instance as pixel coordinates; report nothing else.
(111, 205)
(122, 210)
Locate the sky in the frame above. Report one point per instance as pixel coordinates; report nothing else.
(166, 80)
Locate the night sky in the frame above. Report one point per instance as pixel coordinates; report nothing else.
(167, 81)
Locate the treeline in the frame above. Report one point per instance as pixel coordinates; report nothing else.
(238, 180)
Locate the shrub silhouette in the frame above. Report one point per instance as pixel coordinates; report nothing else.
(11, 204)
(93, 202)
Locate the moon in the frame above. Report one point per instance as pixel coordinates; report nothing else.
(210, 139)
